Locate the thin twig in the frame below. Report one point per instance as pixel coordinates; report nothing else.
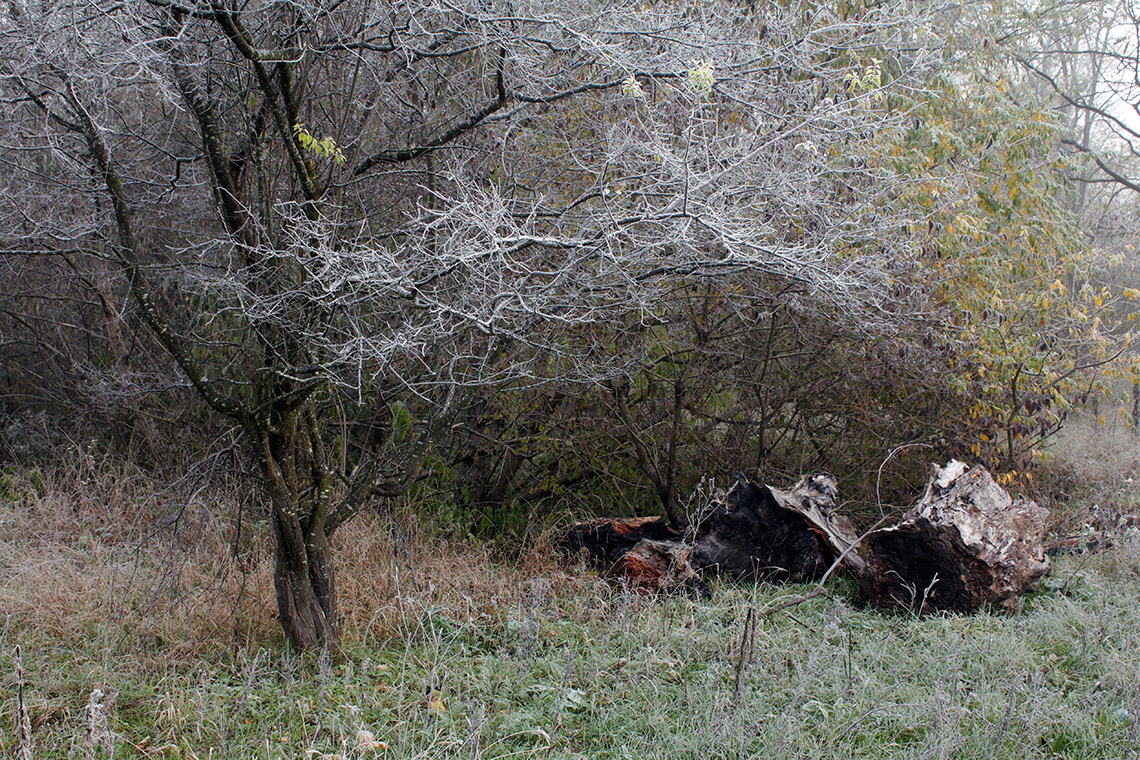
(23, 720)
(747, 645)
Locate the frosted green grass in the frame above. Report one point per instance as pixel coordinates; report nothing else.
(616, 675)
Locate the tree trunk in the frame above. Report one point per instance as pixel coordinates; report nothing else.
(300, 489)
(304, 580)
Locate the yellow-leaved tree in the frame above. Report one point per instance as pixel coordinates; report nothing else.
(1033, 325)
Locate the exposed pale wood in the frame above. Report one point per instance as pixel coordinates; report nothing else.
(967, 544)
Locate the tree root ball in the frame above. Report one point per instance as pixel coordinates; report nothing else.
(966, 545)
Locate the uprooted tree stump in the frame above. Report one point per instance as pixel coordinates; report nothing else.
(965, 545)
(758, 531)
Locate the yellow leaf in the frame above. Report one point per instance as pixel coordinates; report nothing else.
(435, 705)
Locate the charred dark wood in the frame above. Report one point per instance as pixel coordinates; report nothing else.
(760, 532)
(607, 539)
(966, 545)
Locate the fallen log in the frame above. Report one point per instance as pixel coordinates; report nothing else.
(964, 546)
(644, 551)
(660, 566)
(606, 539)
(761, 532)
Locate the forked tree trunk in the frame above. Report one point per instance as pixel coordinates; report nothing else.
(299, 491)
(304, 580)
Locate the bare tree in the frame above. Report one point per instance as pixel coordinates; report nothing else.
(342, 219)
(1081, 59)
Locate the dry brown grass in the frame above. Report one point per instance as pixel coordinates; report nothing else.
(96, 551)
(1095, 455)
(1104, 452)
(91, 552)
(391, 572)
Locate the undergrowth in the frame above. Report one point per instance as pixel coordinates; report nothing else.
(449, 651)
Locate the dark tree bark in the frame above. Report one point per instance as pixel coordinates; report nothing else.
(299, 486)
(303, 579)
(607, 539)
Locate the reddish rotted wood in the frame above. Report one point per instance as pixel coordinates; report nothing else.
(660, 566)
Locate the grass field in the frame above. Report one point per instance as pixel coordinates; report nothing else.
(450, 653)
